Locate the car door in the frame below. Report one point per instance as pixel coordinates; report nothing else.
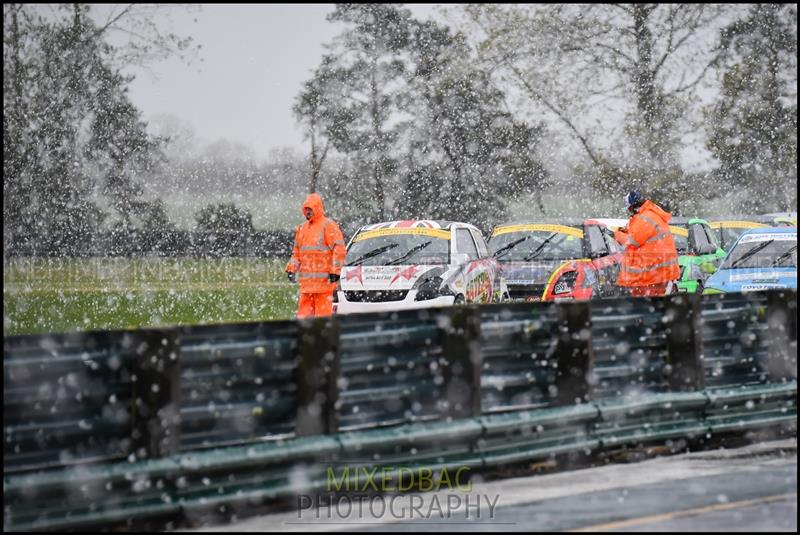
(615, 250)
(489, 265)
(603, 263)
(467, 252)
(702, 244)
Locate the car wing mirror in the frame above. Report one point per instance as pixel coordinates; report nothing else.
(460, 258)
(708, 267)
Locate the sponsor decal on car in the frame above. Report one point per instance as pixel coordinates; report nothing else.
(770, 275)
(736, 224)
(355, 273)
(433, 233)
(679, 231)
(757, 287)
(382, 274)
(578, 233)
(566, 266)
(776, 236)
(406, 273)
(479, 288)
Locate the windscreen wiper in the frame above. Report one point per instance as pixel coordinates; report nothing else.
(374, 252)
(409, 253)
(539, 249)
(783, 256)
(510, 246)
(750, 253)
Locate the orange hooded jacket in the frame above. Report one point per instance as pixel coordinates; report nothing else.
(650, 255)
(318, 249)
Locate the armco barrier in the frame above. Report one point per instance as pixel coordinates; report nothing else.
(189, 484)
(102, 427)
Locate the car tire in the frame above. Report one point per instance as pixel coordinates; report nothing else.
(459, 300)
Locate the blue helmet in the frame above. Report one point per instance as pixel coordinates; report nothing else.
(633, 199)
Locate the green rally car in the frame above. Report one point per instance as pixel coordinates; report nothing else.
(699, 255)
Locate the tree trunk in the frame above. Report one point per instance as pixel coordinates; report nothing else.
(377, 156)
(315, 165)
(644, 86)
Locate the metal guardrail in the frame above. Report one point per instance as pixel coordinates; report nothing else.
(736, 339)
(236, 383)
(66, 399)
(144, 415)
(190, 484)
(518, 350)
(386, 368)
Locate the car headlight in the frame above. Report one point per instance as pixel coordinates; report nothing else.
(565, 283)
(431, 289)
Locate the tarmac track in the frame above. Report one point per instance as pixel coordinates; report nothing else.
(751, 488)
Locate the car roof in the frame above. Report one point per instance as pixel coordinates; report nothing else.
(687, 220)
(566, 221)
(771, 230)
(416, 223)
(610, 221)
(751, 218)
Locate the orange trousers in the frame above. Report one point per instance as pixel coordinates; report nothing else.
(650, 290)
(310, 305)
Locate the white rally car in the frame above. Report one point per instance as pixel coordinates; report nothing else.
(402, 265)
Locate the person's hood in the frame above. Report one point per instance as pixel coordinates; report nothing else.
(650, 206)
(314, 201)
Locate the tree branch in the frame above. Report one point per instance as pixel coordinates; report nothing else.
(111, 21)
(538, 96)
(702, 75)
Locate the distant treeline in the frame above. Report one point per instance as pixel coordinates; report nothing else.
(167, 243)
(405, 118)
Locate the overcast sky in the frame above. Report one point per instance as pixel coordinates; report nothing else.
(252, 64)
(255, 59)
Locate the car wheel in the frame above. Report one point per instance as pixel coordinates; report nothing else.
(459, 300)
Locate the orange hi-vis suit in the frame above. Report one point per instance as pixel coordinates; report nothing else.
(318, 253)
(650, 259)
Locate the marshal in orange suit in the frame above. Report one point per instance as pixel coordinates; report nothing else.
(317, 259)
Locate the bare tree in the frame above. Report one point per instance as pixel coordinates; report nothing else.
(594, 67)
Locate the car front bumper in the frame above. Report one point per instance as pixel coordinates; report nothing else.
(348, 307)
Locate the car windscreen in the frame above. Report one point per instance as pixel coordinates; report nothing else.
(728, 236)
(763, 251)
(386, 247)
(525, 245)
(729, 231)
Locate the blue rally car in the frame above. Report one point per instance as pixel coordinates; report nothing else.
(761, 259)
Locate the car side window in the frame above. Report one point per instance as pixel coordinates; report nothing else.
(464, 243)
(711, 236)
(596, 243)
(611, 243)
(479, 241)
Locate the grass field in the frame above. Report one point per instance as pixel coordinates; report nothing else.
(56, 295)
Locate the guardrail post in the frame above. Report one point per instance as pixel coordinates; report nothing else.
(782, 324)
(574, 352)
(317, 375)
(684, 330)
(462, 375)
(156, 378)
